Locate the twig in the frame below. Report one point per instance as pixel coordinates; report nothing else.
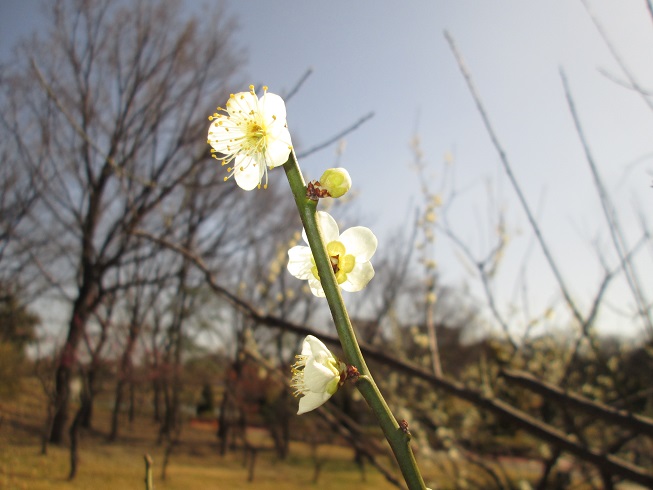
(117, 169)
(335, 138)
(631, 78)
(298, 85)
(427, 256)
(482, 267)
(513, 180)
(613, 78)
(148, 472)
(610, 213)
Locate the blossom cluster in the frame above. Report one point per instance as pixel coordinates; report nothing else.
(250, 136)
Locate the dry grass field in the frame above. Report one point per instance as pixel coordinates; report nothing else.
(194, 462)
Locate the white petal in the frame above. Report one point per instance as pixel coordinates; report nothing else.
(251, 174)
(315, 347)
(358, 278)
(278, 149)
(310, 401)
(222, 135)
(316, 287)
(317, 376)
(328, 226)
(299, 262)
(272, 105)
(218, 134)
(241, 104)
(359, 242)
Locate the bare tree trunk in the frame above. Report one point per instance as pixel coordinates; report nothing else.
(223, 423)
(124, 376)
(175, 347)
(164, 430)
(67, 362)
(91, 380)
(74, 436)
(132, 399)
(171, 389)
(87, 412)
(48, 429)
(113, 432)
(75, 427)
(62, 379)
(156, 399)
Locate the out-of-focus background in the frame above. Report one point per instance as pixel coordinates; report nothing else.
(502, 155)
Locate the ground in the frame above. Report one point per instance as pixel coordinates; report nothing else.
(194, 463)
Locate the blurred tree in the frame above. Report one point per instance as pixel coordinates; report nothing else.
(104, 110)
(17, 326)
(17, 322)
(206, 403)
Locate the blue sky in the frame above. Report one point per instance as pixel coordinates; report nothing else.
(376, 56)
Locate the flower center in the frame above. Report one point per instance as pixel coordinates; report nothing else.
(341, 262)
(255, 137)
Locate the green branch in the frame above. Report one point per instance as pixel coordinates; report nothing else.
(398, 438)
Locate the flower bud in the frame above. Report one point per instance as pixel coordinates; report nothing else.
(336, 181)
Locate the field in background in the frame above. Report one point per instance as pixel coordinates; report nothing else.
(194, 463)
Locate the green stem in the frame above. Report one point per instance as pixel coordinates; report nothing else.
(399, 440)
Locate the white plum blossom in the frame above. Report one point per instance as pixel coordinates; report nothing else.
(350, 255)
(316, 375)
(250, 136)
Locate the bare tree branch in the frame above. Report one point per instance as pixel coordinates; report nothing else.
(498, 407)
(623, 418)
(613, 50)
(338, 136)
(515, 184)
(299, 84)
(610, 213)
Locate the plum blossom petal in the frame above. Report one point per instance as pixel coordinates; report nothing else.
(360, 242)
(316, 286)
(249, 176)
(358, 278)
(328, 227)
(299, 262)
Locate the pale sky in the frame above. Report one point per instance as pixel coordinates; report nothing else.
(375, 56)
